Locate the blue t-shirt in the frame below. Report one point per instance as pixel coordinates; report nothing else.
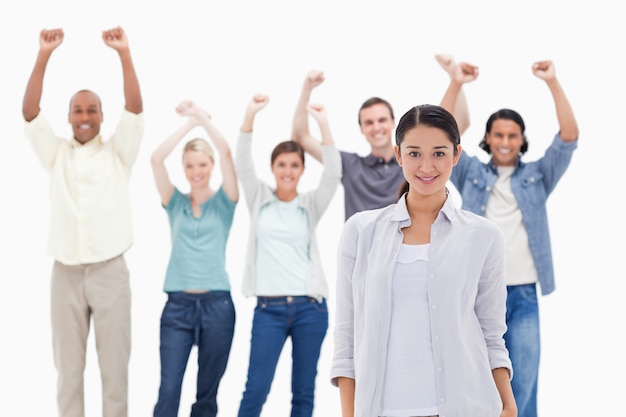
(198, 257)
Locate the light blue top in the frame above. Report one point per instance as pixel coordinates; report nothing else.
(466, 298)
(314, 203)
(283, 242)
(531, 184)
(197, 261)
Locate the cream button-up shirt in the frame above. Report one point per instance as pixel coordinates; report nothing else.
(91, 217)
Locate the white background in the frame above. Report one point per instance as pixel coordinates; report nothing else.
(221, 53)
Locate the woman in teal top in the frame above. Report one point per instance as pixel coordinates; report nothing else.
(199, 309)
(283, 267)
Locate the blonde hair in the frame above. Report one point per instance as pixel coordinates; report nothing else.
(200, 145)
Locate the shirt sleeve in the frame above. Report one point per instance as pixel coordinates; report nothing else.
(343, 357)
(490, 304)
(330, 180)
(127, 137)
(43, 140)
(244, 166)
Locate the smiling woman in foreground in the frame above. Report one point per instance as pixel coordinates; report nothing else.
(421, 294)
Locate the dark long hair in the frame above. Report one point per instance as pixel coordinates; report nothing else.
(506, 114)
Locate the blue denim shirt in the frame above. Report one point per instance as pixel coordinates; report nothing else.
(531, 184)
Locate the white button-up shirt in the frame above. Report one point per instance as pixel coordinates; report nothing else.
(89, 195)
(467, 298)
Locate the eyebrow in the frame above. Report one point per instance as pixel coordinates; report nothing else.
(91, 106)
(419, 147)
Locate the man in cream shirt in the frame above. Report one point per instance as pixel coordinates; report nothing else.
(90, 228)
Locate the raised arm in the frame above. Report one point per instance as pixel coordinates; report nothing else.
(244, 163)
(564, 113)
(454, 99)
(157, 159)
(300, 126)
(321, 116)
(116, 38)
(331, 159)
(48, 41)
(227, 165)
(258, 102)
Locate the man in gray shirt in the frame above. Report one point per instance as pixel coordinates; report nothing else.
(372, 181)
(369, 182)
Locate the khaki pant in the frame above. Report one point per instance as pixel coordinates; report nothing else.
(78, 293)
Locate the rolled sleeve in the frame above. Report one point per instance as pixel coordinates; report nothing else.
(343, 357)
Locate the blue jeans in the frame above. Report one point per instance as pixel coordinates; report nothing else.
(276, 318)
(522, 340)
(206, 320)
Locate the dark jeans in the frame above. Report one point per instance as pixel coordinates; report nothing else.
(276, 318)
(206, 320)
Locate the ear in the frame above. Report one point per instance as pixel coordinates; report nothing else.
(459, 149)
(396, 151)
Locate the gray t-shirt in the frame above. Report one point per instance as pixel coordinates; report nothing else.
(369, 182)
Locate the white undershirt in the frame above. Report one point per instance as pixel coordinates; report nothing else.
(502, 208)
(409, 386)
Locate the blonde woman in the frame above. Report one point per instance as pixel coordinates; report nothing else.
(199, 309)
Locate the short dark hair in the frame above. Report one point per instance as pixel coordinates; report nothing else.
(506, 114)
(85, 91)
(288, 146)
(372, 101)
(432, 116)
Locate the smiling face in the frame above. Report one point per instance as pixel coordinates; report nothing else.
(85, 116)
(287, 169)
(427, 156)
(377, 124)
(198, 168)
(505, 140)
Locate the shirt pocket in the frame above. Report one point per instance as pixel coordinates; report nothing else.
(473, 194)
(532, 188)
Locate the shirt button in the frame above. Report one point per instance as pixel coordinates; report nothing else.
(438, 369)
(488, 188)
(475, 181)
(441, 399)
(436, 338)
(434, 307)
(482, 208)
(289, 299)
(532, 179)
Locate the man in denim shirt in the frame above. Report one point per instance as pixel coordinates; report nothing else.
(513, 194)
